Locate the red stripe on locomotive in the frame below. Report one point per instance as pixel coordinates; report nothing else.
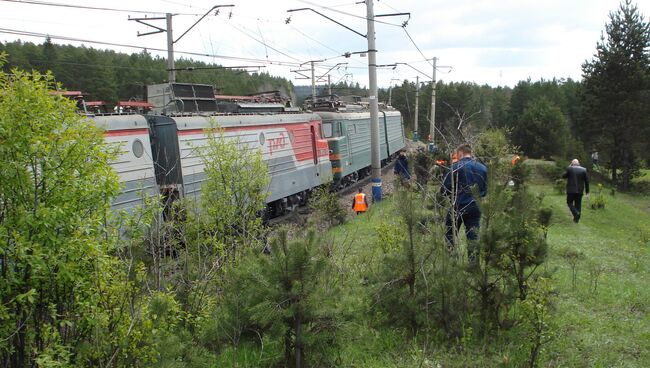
(299, 135)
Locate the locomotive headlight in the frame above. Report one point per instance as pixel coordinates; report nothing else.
(137, 148)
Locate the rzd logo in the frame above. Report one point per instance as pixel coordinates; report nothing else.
(277, 143)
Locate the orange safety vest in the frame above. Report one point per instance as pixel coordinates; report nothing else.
(360, 203)
(515, 159)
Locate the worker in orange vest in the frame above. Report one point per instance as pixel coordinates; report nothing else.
(515, 159)
(360, 203)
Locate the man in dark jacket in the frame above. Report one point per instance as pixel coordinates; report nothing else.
(577, 182)
(402, 166)
(458, 183)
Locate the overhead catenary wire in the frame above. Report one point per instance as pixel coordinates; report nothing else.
(346, 13)
(416, 46)
(47, 3)
(306, 36)
(248, 34)
(73, 39)
(99, 66)
(408, 34)
(213, 55)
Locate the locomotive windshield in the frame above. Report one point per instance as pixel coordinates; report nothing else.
(327, 130)
(331, 130)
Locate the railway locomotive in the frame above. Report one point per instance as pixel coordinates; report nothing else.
(303, 150)
(346, 126)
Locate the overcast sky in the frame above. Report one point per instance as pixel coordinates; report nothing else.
(495, 42)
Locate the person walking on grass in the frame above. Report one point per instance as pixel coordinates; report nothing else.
(458, 183)
(359, 202)
(577, 183)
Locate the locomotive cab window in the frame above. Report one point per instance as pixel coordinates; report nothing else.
(328, 130)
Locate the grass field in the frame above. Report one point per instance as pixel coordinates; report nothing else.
(608, 326)
(603, 325)
(611, 326)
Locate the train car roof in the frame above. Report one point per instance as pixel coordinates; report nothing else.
(228, 121)
(120, 122)
(337, 115)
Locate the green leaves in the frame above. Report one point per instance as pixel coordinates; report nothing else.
(542, 129)
(57, 184)
(616, 85)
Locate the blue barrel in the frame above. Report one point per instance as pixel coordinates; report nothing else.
(376, 189)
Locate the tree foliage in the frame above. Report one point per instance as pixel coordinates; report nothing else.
(234, 193)
(108, 75)
(617, 90)
(56, 187)
(542, 130)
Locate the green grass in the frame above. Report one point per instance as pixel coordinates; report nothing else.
(645, 176)
(609, 327)
(606, 328)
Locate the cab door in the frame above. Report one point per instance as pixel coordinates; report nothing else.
(314, 151)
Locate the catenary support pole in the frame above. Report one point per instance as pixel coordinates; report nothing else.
(417, 108)
(313, 82)
(433, 104)
(329, 84)
(374, 106)
(170, 49)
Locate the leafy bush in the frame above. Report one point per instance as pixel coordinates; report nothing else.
(547, 172)
(536, 317)
(573, 258)
(327, 207)
(559, 186)
(641, 187)
(56, 188)
(599, 200)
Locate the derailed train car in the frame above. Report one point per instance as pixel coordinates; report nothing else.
(169, 162)
(346, 126)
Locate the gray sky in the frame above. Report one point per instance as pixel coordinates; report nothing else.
(487, 42)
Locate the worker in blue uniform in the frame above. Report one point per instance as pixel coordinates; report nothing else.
(465, 174)
(402, 166)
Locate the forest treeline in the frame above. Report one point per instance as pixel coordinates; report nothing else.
(110, 76)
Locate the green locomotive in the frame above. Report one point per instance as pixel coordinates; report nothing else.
(346, 126)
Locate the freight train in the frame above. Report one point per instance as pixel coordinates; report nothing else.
(303, 150)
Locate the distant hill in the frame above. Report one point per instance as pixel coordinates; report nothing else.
(111, 76)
